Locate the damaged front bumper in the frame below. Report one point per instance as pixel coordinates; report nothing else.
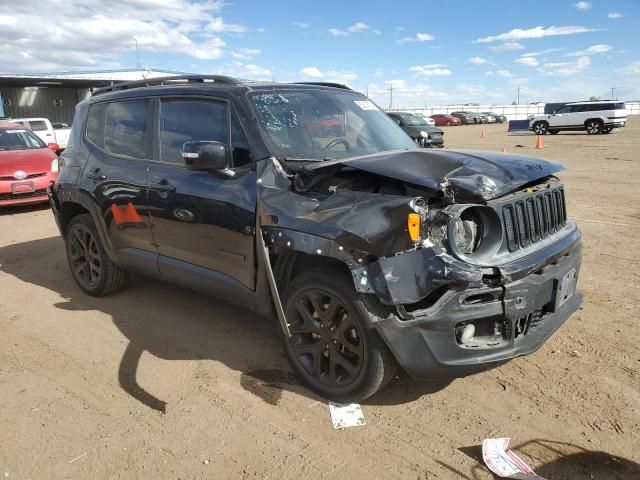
(481, 318)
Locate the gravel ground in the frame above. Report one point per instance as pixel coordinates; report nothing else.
(84, 382)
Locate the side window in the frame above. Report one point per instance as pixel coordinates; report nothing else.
(96, 114)
(125, 128)
(241, 152)
(620, 106)
(564, 109)
(190, 121)
(38, 125)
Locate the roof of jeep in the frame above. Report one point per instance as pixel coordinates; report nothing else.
(203, 84)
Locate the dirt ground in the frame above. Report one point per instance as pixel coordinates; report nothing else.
(84, 382)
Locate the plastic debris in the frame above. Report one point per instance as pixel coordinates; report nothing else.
(344, 416)
(505, 463)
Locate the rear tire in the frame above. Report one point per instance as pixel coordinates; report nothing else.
(93, 271)
(333, 347)
(593, 127)
(607, 130)
(541, 128)
(554, 132)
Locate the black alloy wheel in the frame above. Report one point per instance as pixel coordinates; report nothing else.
(90, 265)
(332, 345)
(84, 256)
(326, 339)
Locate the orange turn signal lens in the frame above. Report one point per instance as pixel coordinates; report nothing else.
(413, 223)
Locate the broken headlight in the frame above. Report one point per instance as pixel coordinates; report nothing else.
(465, 234)
(474, 231)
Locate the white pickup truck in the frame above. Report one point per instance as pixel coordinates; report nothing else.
(48, 132)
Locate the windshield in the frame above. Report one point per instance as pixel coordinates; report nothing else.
(19, 139)
(318, 125)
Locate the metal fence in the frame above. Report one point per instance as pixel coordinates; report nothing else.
(512, 112)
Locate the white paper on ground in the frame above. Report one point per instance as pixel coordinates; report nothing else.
(344, 416)
(505, 463)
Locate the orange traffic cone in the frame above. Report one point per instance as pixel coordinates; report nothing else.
(504, 150)
(539, 143)
(482, 134)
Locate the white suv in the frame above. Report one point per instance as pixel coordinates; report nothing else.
(594, 117)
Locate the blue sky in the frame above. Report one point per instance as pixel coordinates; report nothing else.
(432, 53)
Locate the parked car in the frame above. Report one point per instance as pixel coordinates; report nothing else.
(592, 117)
(418, 129)
(429, 120)
(442, 120)
(498, 118)
(469, 117)
(27, 166)
(44, 129)
(368, 250)
(489, 118)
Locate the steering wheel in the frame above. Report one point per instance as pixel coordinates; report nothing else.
(338, 141)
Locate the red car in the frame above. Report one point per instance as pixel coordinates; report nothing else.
(443, 120)
(27, 166)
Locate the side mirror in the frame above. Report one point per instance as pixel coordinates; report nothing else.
(53, 146)
(205, 156)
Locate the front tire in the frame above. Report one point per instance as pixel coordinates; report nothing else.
(333, 347)
(593, 127)
(541, 128)
(554, 132)
(90, 266)
(607, 130)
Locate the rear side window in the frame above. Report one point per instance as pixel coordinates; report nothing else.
(37, 125)
(184, 121)
(96, 114)
(620, 106)
(125, 128)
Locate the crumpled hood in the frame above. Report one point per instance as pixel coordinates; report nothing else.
(462, 175)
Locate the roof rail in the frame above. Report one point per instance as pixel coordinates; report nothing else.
(169, 80)
(326, 84)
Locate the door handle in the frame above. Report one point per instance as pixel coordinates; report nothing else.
(96, 175)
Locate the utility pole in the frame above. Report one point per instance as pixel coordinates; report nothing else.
(391, 95)
(518, 92)
(138, 65)
(612, 90)
(367, 90)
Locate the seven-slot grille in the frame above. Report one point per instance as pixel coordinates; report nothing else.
(532, 218)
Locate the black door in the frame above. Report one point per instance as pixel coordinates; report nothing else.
(116, 173)
(203, 223)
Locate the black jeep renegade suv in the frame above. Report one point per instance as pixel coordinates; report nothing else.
(307, 203)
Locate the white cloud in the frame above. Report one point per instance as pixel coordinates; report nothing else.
(536, 32)
(419, 37)
(542, 52)
(592, 50)
(582, 5)
(565, 69)
(528, 61)
(506, 47)
(339, 76)
(632, 69)
(312, 72)
(245, 53)
(94, 34)
(357, 27)
(478, 60)
(615, 15)
(433, 70)
(379, 72)
(247, 71)
(302, 25)
(504, 73)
